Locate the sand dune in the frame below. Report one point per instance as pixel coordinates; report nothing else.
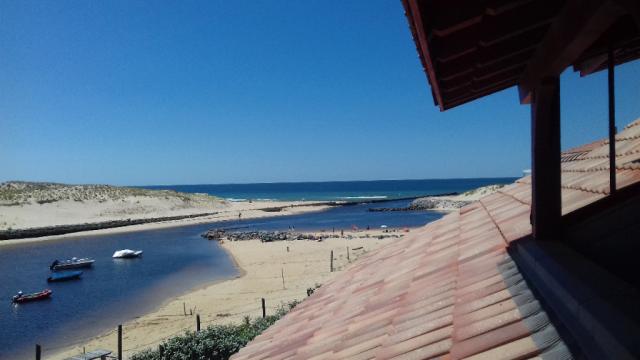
(26, 204)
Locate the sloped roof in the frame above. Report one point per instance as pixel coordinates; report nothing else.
(448, 290)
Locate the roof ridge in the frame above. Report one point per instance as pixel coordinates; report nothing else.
(596, 157)
(504, 238)
(513, 197)
(570, 187)
(635, 122)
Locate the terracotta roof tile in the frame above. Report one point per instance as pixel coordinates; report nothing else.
(449, 289)
(518, 349)
(403, 344)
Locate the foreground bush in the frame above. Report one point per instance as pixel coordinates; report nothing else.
(215, 342)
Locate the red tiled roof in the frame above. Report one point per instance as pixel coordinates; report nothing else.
(449, 290)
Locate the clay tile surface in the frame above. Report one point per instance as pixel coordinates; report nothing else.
(449, 289)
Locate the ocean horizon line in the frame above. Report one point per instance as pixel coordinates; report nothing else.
(327, 181)
(337, 190)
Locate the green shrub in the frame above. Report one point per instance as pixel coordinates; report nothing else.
(216, 342)
(311, 290)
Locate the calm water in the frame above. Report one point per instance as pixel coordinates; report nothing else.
(343, 217)
(175, 260)
(338, 190)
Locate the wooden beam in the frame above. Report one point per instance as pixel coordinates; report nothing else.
(632, 7)
(546, 202)
(578, 25)
(591, 65)
(465, 99)
(611, 61)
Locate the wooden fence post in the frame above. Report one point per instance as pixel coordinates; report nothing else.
(198, 322)
(119, 342)
(161, 350)
(38, 352)
(348, 259)
(184, 309)
(331, 265)
(264, 309)
(282, 273)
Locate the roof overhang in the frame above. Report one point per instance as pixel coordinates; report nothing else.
(470, 49)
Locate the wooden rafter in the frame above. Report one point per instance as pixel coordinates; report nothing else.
(578, 25)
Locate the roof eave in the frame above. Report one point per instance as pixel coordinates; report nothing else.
(411, 7)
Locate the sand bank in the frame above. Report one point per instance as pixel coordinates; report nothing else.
(303, 263)
(226, 211)
(29, 205)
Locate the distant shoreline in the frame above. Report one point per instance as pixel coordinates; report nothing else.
(34, 233)
(133, 225)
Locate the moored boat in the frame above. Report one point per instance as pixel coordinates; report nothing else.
(73, 263)
(21, 298)
(64, 276)
(127, 254)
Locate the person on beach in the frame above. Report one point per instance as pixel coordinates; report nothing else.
(239, 215)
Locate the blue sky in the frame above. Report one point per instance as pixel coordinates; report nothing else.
(187, 92)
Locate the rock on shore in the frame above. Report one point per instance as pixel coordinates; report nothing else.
(445, 202)
(268, 236)
(431, 203)
(453, 202)
(264, 236)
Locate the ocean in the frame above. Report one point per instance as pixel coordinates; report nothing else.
(336, 190)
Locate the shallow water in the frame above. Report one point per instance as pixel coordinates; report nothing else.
(175, 260)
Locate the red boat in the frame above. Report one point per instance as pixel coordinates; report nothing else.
(44, 294)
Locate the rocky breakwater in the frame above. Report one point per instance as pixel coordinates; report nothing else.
(446, 202)
(67, 229)
(268, 236)
(264, 236)
(428, 203)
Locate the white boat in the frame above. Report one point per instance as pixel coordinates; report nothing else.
(127, 253)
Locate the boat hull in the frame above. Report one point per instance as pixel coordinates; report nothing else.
(127, 254)
(70, 264)
(65, 276)
(45, 294)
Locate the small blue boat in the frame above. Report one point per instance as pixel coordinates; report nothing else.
(64, 276)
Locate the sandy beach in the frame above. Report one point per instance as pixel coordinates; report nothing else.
(303, 264)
